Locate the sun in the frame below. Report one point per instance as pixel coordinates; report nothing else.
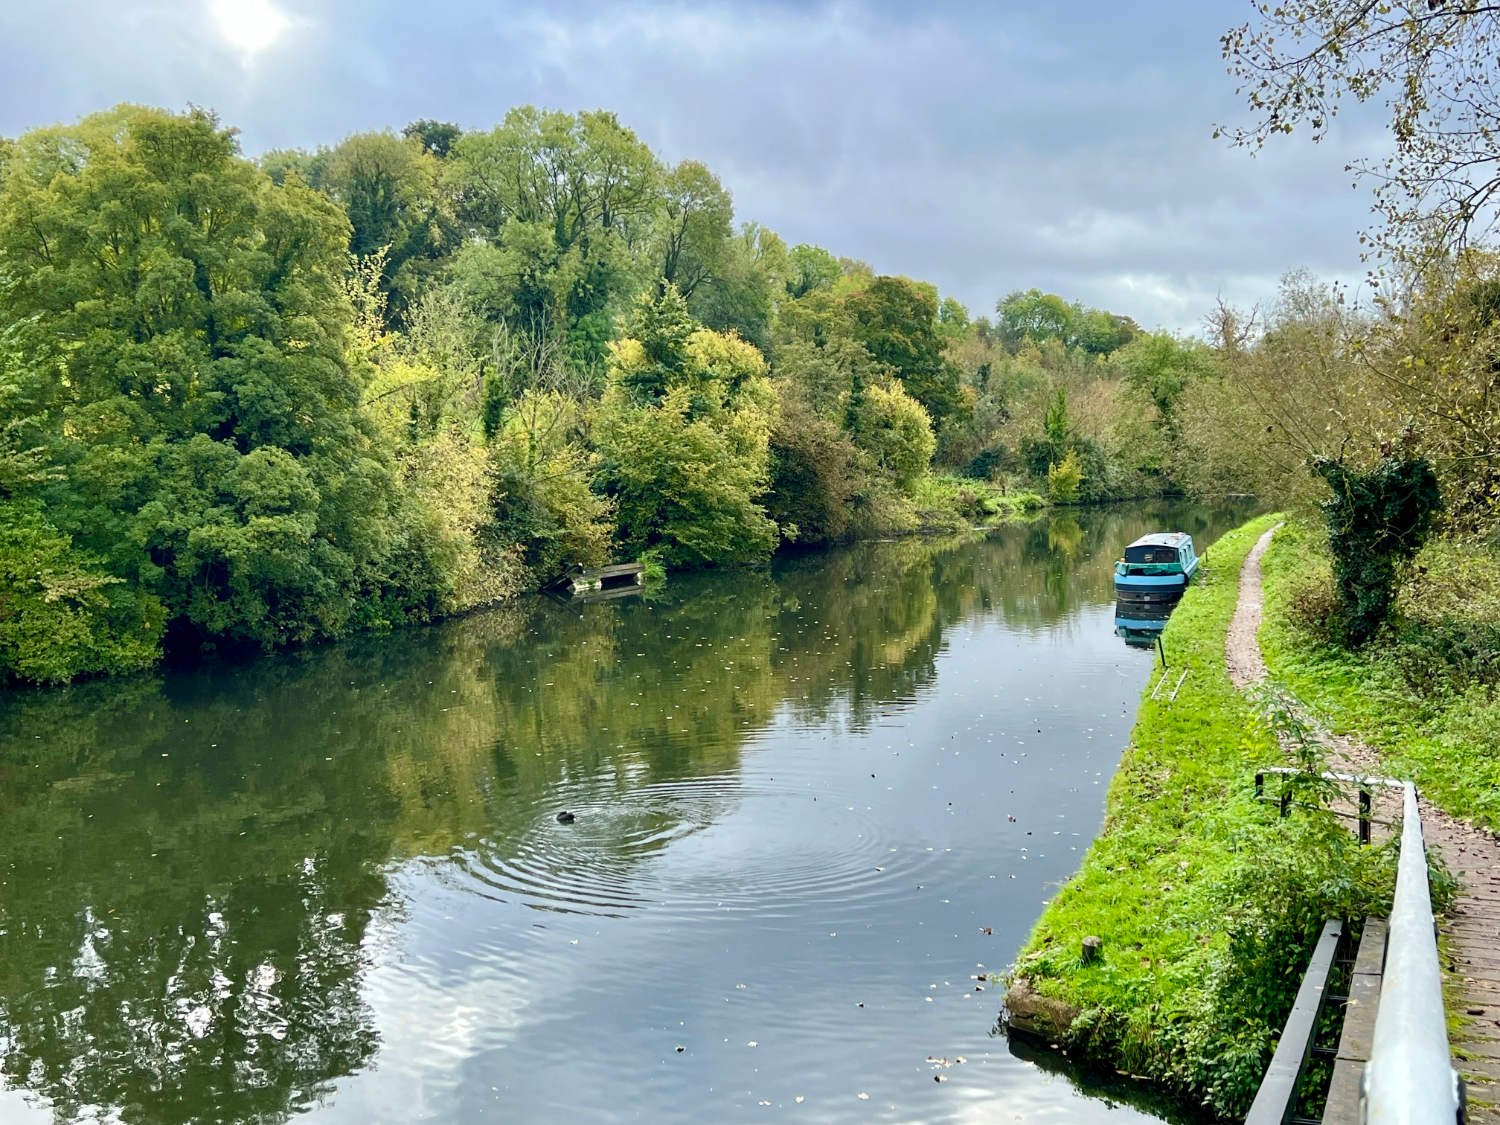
(248, 25)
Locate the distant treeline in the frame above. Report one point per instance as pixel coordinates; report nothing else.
(251, 403)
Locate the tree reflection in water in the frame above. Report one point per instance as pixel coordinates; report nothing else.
(190, 863)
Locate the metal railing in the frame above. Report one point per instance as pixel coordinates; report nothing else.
(1276, 1100)
(1409, 1078)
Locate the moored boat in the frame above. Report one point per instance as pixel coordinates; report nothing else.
(1156, 567)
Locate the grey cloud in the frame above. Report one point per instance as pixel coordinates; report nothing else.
(984, 149)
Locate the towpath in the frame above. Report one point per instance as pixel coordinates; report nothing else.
(1471, 932)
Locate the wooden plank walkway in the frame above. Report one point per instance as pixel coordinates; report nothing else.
(1469, 936)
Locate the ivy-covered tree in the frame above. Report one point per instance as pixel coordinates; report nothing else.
(1377, 519)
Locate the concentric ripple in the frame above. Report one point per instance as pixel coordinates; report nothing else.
(804, 847)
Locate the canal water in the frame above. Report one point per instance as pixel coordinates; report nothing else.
(815, 804)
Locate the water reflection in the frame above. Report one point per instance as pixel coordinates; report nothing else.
(1140, 623)
(333, 881)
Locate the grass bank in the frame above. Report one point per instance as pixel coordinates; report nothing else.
(1206, 901)
(948, 503)
(1426, 691)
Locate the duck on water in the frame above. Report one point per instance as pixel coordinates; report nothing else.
(1156, 567)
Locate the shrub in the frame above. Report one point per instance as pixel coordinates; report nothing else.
(1064, 478)
(60, 615)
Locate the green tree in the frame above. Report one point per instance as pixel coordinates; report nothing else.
(435, 137)
(684, 430)
(1064, 479)
(742, 296)
(1377, 519)
(894, 429)
(1160, 367)
(388, 187)
(555, 203)
(695, 226)
(897, 321)
(1033, 315)
(812, 268)
(182, 326)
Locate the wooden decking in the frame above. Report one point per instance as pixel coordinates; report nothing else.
(1358, 1035)
(615, 580)
(1469, 947)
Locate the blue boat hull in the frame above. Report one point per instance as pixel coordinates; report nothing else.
(1150, 587)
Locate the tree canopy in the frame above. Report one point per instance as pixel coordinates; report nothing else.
(1299, 62)
(255, 403)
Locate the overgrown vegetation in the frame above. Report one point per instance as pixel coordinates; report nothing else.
(253, 403)
(1425, 691)
(1207, 901)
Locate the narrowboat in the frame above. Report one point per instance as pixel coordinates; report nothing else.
(1156, 567)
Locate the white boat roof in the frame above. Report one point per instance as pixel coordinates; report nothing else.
(1163, 539)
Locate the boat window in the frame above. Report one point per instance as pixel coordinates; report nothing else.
(1150, 554)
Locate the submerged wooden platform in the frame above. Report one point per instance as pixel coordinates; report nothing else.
(618, 579)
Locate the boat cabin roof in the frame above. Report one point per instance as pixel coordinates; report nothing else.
(1164, 539)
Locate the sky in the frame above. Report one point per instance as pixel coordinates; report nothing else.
(984, 146)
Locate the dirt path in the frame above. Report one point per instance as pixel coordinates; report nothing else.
(1471, 933)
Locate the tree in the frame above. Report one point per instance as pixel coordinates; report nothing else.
(388, 189)
(555, 203)
(435, 137)
(1299, 61)
(897, 321)
(684, 430)
(812, 268)
(1064, 479)
(893, 428)
(695, 226)
(1376, 520)
(544, 502)
(1033, 315)
(1434, 363)
(953, 319)
(1039, 317)
(816, 471)
(742, 295)
(1159, 367)
(181, 324)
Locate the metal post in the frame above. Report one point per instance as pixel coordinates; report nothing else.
(1364, 814)
(1260, 786)
(1286, 797)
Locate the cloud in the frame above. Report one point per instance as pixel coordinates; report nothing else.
(981, 149)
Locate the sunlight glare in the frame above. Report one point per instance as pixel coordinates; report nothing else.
(249, 25)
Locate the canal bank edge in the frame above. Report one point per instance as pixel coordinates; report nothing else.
(1205, 902)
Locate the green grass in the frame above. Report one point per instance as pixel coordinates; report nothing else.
(952, 503)
(1423, 693)
(1207, 902)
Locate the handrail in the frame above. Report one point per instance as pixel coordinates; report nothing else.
(1277, 1096)
(1410, 1079)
